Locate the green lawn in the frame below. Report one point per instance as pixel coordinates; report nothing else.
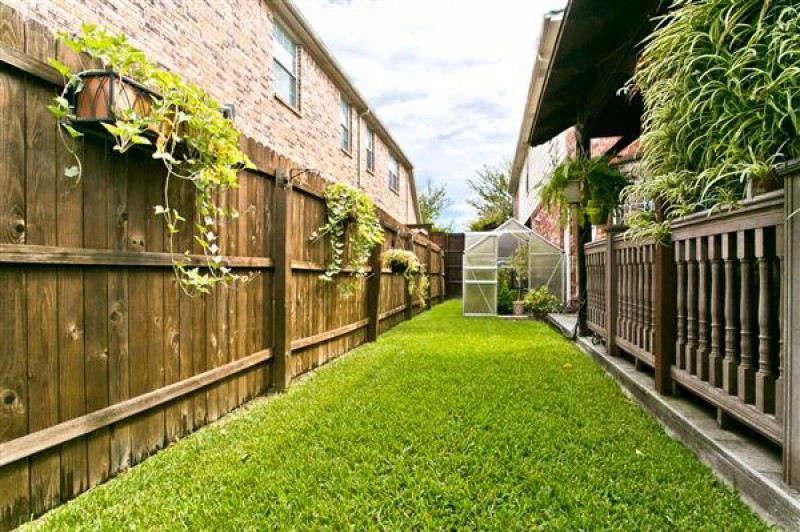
(445, 423)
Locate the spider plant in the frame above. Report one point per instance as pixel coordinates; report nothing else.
(720, 81)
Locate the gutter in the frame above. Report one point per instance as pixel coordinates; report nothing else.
(551, 25)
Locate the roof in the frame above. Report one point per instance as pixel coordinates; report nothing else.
(593, 57)
(547, 41)
(290, 15)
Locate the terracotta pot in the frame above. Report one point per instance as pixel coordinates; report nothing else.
(518, 308)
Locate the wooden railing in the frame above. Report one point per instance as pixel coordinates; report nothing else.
(635, 310)
(724, 271)
(728, 349)
(596, 287)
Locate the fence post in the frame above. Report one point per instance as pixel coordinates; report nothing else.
(791, 326)
(409, 310)
(442, 275)
(374, 293)
(611, 291)
(666, 315)
(429, 259)
(282, 295)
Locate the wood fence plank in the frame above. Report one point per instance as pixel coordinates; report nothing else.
(155, 241)
(173, 426)
(40, 222)
(95, 285)
(14, 483)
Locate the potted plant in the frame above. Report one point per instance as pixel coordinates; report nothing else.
(541, 302)
(591, 186)
(353, 229)
(138, 103)
(519, 265)
(406, 263)
(595, 211)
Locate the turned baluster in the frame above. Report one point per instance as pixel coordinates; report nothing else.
(746, 377)
(602, 288)
(647, 343)
(631, 295)
(691, 306)
(640, 290)
(623, 271)
(780, 325)
(702, 309)
(715, 357)
(730, 365)
(765, 380)
(680, 273)
(652, 295)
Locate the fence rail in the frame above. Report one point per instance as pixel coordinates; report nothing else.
(103, 359)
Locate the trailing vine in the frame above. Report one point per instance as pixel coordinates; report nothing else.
(720, 82)
(353, 229)
(406, 262)
(184, 127)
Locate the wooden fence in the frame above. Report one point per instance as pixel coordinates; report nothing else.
(103, 359)
(453, 246)
(706, 312)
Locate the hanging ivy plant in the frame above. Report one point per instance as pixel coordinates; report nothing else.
(353, 229)
(600, 185)
(182, 124)
(406, 262)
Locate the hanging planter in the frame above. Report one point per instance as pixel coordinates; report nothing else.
(353, 230)
(596, 212)
(401, 261)
(407, 264)
(136, 102)
(105, 95)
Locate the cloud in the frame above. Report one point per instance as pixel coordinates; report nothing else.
(448, 78)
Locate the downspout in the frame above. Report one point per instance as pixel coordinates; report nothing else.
(358, 153)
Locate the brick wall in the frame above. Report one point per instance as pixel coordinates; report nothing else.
(225, 47)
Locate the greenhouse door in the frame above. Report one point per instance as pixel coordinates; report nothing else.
(480, 274)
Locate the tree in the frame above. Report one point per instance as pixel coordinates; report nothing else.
(494, 202)
(432, 201)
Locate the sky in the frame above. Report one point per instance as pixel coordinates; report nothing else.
(448, 78)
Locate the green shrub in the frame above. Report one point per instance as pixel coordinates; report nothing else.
(541, 302)
(720, 82)
(505, 295)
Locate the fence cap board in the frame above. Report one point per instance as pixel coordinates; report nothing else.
(763, 211)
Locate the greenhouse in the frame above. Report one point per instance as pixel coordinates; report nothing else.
(529, 260)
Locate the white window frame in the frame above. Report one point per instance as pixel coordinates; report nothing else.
(370, 150)
(280, 57)
(346, 125)
(394, 174)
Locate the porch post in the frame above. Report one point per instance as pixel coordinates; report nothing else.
(791, 325)
(611, 290)
(583, 149)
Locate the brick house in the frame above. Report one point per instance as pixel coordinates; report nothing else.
(264, 58)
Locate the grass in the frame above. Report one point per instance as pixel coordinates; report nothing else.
(444, 423)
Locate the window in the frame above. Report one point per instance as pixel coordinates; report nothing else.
(370, 150)
(345, 119)
(284, 66)
(394, 174)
